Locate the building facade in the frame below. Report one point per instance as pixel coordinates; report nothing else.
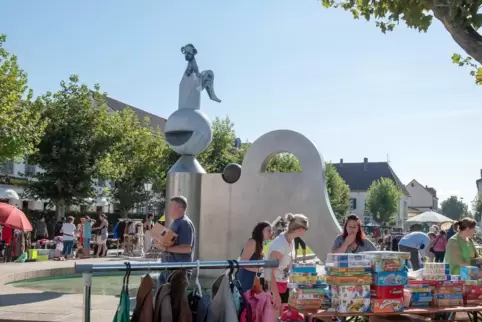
(422, 198)
(359, 176)
(13, 174)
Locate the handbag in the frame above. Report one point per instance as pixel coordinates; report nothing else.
(431, 248)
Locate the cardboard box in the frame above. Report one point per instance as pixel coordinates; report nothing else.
(163, 236)
(387, 305)
(390, 278)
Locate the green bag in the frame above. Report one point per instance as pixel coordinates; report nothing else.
(123, 310)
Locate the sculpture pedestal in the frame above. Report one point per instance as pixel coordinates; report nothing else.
(184, 179)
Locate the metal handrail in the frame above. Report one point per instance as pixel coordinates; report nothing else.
(88, 269)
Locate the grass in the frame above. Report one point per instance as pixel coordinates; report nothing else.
(298, 253)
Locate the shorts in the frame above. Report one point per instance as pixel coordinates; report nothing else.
(86, 243)
(285, 296)
(299, 243)
(100, 241)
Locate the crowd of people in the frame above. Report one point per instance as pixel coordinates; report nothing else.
(454, 246)
(79, 237)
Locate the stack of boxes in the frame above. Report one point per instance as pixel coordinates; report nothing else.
(417, 294)
(389, 278)
(446, 288)
(438, 272)
(446, 293)
(307, 288)
(471, 284)
(349, 278)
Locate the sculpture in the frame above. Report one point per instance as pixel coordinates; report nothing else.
(188, 130)
(206, 77)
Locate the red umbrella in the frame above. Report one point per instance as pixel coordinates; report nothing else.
(13, 217)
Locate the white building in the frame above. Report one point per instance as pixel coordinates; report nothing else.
(359, 176)
(422, 198)
(12, 173)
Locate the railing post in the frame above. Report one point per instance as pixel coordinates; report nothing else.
(87, 278)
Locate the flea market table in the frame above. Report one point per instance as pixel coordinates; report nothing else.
(474, 314)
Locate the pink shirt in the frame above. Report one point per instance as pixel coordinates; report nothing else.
(440, 243)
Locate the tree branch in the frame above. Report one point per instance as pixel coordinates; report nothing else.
(466, 37)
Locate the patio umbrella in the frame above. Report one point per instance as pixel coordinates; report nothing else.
(429, 217)
(13, 217)
(9, 194)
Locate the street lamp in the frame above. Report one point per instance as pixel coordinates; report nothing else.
(147, 186)
(147, 189)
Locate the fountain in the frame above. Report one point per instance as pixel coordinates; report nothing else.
(225, 207)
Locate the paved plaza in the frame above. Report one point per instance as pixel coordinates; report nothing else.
(22, 304)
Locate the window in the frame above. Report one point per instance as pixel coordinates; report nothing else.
(99, 209)
(352, 203)
(29, 170)
(46, 205)
(7, 167)
(83, 208)
(24, 205)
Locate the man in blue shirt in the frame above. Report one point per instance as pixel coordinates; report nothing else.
(183, 248)
(412, 243)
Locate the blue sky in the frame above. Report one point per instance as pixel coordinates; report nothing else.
(278, 64)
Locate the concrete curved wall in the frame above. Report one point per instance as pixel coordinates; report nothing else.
(229, 212)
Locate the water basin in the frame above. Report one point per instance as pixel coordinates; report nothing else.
(102, 284)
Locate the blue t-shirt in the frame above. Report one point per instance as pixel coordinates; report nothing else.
(415, 240)
(87, 232)
(186, 235)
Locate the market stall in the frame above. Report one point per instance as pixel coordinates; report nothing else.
(15, 233)
(473, 312)
(378, 285)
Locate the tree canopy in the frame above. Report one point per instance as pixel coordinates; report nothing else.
(461, 18)
(284, 162)
(135, 156)
(75, 140)
(21, 126)
(338, 192)
(383, 200)
(477, 207)
(454, 208)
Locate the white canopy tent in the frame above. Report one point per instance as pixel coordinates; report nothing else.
(429, 217)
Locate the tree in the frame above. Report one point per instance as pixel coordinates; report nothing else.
(338, 192)
(477, 207)
(283, 162)
(221, 151)
(20, 124)
(383, 199)
(75, 140)
(135, 156)
(454, 208)
(461, 18)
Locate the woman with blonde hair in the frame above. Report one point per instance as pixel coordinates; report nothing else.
(282, 249)
(460, 247)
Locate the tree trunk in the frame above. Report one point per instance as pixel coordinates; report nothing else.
(466, 37)
(60, 209)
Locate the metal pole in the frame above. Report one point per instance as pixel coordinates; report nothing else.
(146, 266)
(87, 277)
